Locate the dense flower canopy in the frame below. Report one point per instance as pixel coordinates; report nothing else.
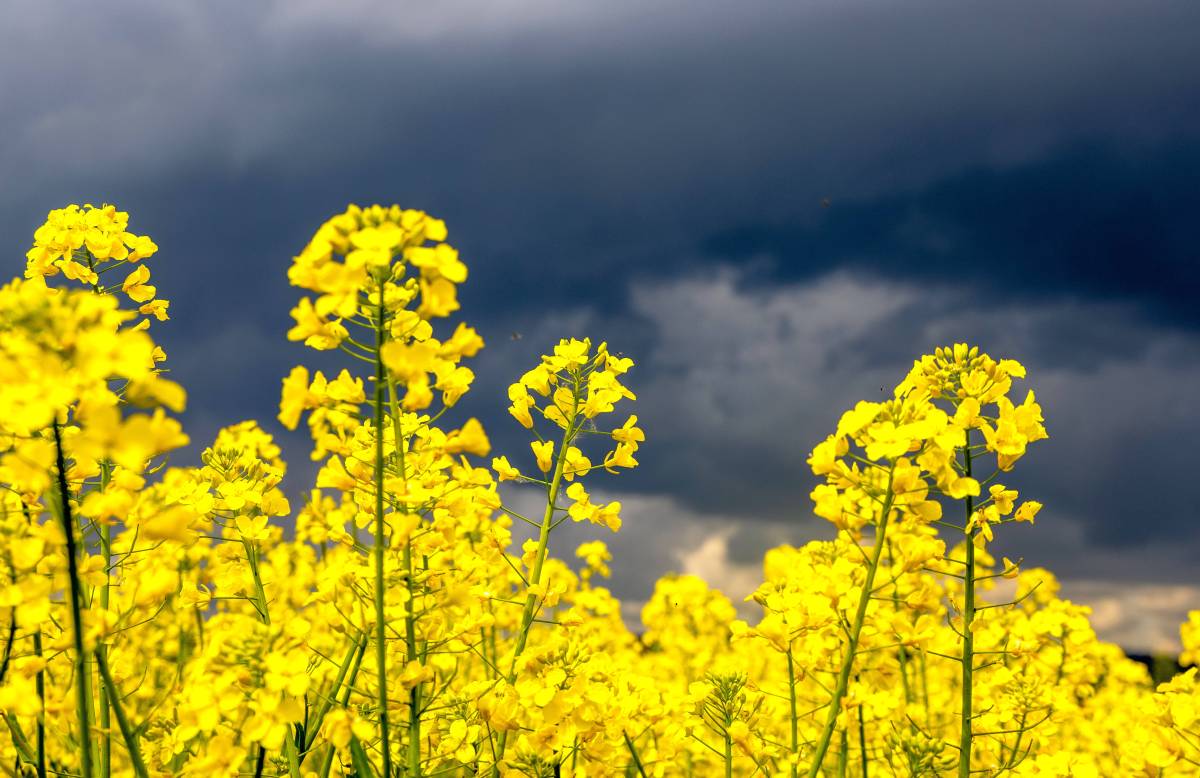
(198, 621)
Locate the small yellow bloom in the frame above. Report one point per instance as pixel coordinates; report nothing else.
(544, 452)
(505, 471)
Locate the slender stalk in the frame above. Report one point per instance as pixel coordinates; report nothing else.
(18, 739)
(637, 761)
(968, 652)
(795, 722)
(127, 731)
(102, 649)
(293, 758)
(728, 754)
(535, 578)
(40, 685)
(860, 615)
(327, 761)
(410, 619)
(264, 614)
(310, 736)
(260, 593)
(10, 638)
(414, 694)
(380, 539)
(83, 685)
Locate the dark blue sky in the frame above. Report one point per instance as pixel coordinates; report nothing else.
(774, 207)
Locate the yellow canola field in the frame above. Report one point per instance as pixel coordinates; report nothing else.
(156, 621)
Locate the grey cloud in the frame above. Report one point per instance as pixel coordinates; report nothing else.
(1140, 618)
(741, 381)
(660, 536)
(727, 552)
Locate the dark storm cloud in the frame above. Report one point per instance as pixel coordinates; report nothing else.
(1095, 221)
(654, 174)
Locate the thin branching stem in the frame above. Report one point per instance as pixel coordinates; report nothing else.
(381, 539)
(860, 616)
(968, 638)
(83, 686)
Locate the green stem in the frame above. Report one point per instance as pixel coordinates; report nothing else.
(260, 593)
(18, 738)
(83, 686)
(860, 615)
(535, 578)
(527, 615)
(414, 694)
(792, 702)
(293, 758)
(380, 539)
(40, 685)
(327, 761)
(637, 761)
(264, 614)
(310, 736)
(410, 619)
(1011, 762)
(968, 652)
(127, 732)
(102, 649)
(728, 754)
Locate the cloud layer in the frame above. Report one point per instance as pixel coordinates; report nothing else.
(739, 381)
(774, 212)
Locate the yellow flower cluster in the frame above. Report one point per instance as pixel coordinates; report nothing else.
(578, 387)
(89, 242)
(358, 250)
(195, 621)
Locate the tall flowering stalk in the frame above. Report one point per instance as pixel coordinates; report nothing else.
(379, 545)
(578, 387)
(975, 388)
(82, 244)
(890, 461)
(358, 263)
(966, 730)
(871, 478)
